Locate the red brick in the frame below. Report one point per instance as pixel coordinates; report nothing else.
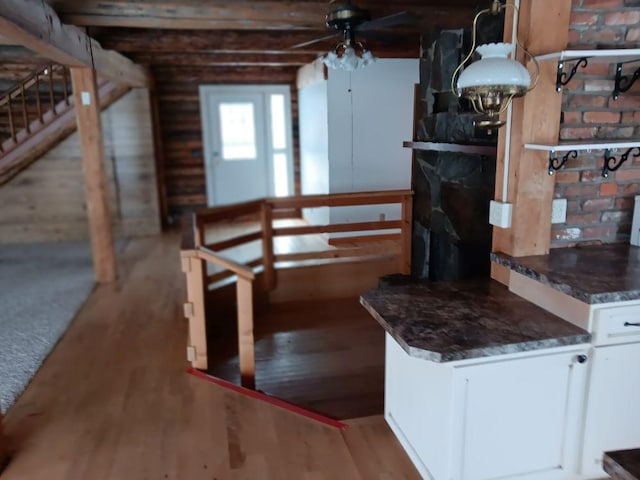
(626, 203)
(601, 117)
(567, 177)
(590, 176)
(601, 4)
(574, 37)
(628, 174)
(622, 18)
(630, 117)
(566, 234)
(608, 189)
(616, 217)
(583, 18)
(572, 117)
(629, 189)
(626, 101)
(599, 231)
(577, 133)
(583, 218)
(633, 35)
(602, 69)
(587, 101)
(596, 204)
(598, 86)
(615, 132)
(600, 36)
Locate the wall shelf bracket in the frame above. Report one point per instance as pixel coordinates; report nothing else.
(611, 163)
(624, 82)
(556, 163)
(562, 78)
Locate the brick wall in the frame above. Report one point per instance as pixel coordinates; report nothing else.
(599, 209)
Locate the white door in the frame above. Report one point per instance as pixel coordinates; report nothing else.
(247, 142)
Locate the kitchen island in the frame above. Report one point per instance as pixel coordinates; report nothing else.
(480, 383)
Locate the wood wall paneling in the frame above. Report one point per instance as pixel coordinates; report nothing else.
(46, 201)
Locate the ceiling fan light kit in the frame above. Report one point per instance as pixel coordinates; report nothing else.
(348, 58)
(491, 83)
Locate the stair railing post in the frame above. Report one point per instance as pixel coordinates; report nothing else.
(25, 115)
(12, 127)
(65, 80)
(246, 345)
(51, 96)
(38, 106)
(266, 219)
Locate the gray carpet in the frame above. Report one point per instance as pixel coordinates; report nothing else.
(42, 286)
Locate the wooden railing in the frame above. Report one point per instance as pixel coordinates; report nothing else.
(196, 253)
(32, 103)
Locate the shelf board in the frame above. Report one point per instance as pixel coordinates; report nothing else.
(587, 145)
(620, 55)
(487, 150)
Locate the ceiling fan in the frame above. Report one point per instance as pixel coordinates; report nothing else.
(350, 19)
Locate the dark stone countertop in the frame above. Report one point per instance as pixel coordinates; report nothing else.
(448, 321)
(592, 274)
(623, 464)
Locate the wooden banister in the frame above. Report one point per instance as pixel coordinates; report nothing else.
(340, 199)
(337, 228)
(239, 269)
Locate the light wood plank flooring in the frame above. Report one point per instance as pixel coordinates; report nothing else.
(113, 402)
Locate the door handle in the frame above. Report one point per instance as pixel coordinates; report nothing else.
(630, 324)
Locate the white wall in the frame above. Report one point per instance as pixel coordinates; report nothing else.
(370, 115)
(314, 147)
(351, 132)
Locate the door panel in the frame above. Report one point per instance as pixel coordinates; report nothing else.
(237, 158)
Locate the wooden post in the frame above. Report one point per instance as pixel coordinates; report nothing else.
(266, 218)
(246, 347)
(85, 93)
(158, 149)
(543, 28)
(405, 235)
(194, 269)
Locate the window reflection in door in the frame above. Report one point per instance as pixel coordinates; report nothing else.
(237, 131)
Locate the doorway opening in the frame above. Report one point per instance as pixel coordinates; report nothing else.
(247, 142)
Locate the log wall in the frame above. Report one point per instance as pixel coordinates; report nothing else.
(46, 202)
(179, 104)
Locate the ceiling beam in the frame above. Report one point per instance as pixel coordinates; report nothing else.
(128, 40)
(34, 25)
(244, 14)
(223, 59)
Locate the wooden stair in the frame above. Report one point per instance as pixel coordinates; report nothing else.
(19, 148)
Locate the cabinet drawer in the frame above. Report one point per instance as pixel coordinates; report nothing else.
(616, 325)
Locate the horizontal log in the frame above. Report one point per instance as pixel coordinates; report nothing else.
(247, 14)
(226, 59)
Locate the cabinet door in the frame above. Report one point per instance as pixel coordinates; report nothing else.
(520, 418)
(612, 420)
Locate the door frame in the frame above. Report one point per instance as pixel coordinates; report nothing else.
(207, 124)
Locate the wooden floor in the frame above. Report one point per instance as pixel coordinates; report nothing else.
(113, 402)
(325, 356)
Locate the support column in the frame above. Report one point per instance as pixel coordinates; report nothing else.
(543, 28)
(85, 94)
(3, 447)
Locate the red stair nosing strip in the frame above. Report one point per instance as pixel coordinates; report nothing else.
(269, 399)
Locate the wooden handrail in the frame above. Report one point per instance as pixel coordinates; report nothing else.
(340, 199)
(338, 228)
(235, 267)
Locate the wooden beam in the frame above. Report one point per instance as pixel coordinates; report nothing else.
(227, 59)
(158, 149)
(36, 26)
(247, 14)
(153, 41)
(544, 27)
(246, 344)
(85, 94)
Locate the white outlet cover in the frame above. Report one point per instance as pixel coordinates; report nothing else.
(500, 214)
(559, 210)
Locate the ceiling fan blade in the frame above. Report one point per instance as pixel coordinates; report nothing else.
(400, 18)
(315, 40)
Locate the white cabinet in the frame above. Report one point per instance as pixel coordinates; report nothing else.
(515, 417)
(612, 420)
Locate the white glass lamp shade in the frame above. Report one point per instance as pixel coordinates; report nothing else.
(495, 69)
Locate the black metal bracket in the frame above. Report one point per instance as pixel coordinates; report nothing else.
(611, 164)
(556, 163)
(562, 78)
(623, 82)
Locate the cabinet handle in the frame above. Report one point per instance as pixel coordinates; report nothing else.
(630, 324)
(581, 358)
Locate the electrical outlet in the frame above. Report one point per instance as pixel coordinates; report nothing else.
(382, 217)
(559, 210)
(500, 214)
